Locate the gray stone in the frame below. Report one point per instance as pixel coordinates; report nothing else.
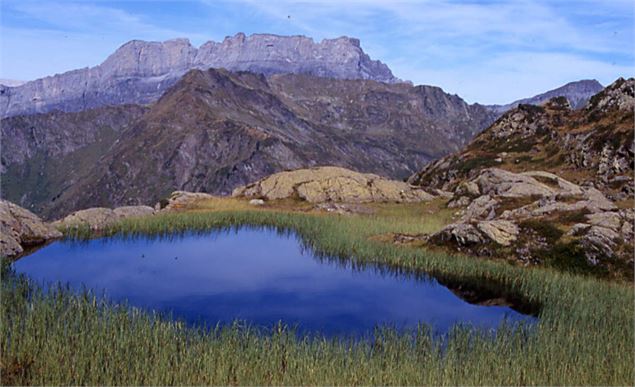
(257, 202)
(498, 182)
(461, 201)
(482, 207)
(599, 243)
(610, 220)
(502, 232)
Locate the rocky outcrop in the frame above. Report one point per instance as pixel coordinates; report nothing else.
(20, 228)
(593, 146)
(331, 184)
(538, 218)
(139, 72)
(100, 218)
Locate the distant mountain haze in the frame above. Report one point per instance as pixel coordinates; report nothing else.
(577, 93)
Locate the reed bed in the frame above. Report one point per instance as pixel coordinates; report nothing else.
(585, 335)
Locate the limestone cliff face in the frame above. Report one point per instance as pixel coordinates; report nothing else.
(139, 72)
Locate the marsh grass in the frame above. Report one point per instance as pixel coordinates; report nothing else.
(585, 335)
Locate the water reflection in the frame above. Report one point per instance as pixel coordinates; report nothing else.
(261, 276)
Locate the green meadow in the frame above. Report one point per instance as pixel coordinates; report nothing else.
(585, 334)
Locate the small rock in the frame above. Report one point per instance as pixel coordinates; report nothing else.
(257, 202)
(578, 229)
(462, 201)
(610, 220)
(483, 207)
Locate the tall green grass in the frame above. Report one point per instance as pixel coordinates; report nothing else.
(585, 335)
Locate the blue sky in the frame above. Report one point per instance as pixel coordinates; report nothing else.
(485, 51)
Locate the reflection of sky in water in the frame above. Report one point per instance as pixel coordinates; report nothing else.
(255, 275)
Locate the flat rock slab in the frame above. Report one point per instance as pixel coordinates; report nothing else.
(332, 184)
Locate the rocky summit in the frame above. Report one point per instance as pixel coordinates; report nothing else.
(139, 72)
(215, 130)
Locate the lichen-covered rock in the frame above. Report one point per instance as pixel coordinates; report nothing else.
(483, 207)
(502, 183)
(19, 228)
(99, 218)
(332, 184)
(610, 220)
(502, 232)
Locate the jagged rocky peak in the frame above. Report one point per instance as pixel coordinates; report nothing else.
(140, 71)
(618, 95)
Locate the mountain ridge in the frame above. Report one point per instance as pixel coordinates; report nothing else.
(577, 93)
(139, 71)
(215, 130)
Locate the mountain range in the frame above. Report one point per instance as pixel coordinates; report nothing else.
(215, 130)
(139, 72)
(157, 117)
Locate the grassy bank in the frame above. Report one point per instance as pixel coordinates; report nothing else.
(585, 335)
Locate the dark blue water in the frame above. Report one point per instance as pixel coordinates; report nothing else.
(259, 276)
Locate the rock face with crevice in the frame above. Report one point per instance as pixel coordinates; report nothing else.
(20, 228)
(139, 71)
(332, 184)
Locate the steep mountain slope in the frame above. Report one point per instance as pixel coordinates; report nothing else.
(216, 130)
(577, 93)
(43, 154)
(589, 146)
(139, 72)
(547, 185)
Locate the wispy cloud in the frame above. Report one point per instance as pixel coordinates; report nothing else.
(489, 51)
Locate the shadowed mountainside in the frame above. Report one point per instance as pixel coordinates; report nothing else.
(216, 130)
